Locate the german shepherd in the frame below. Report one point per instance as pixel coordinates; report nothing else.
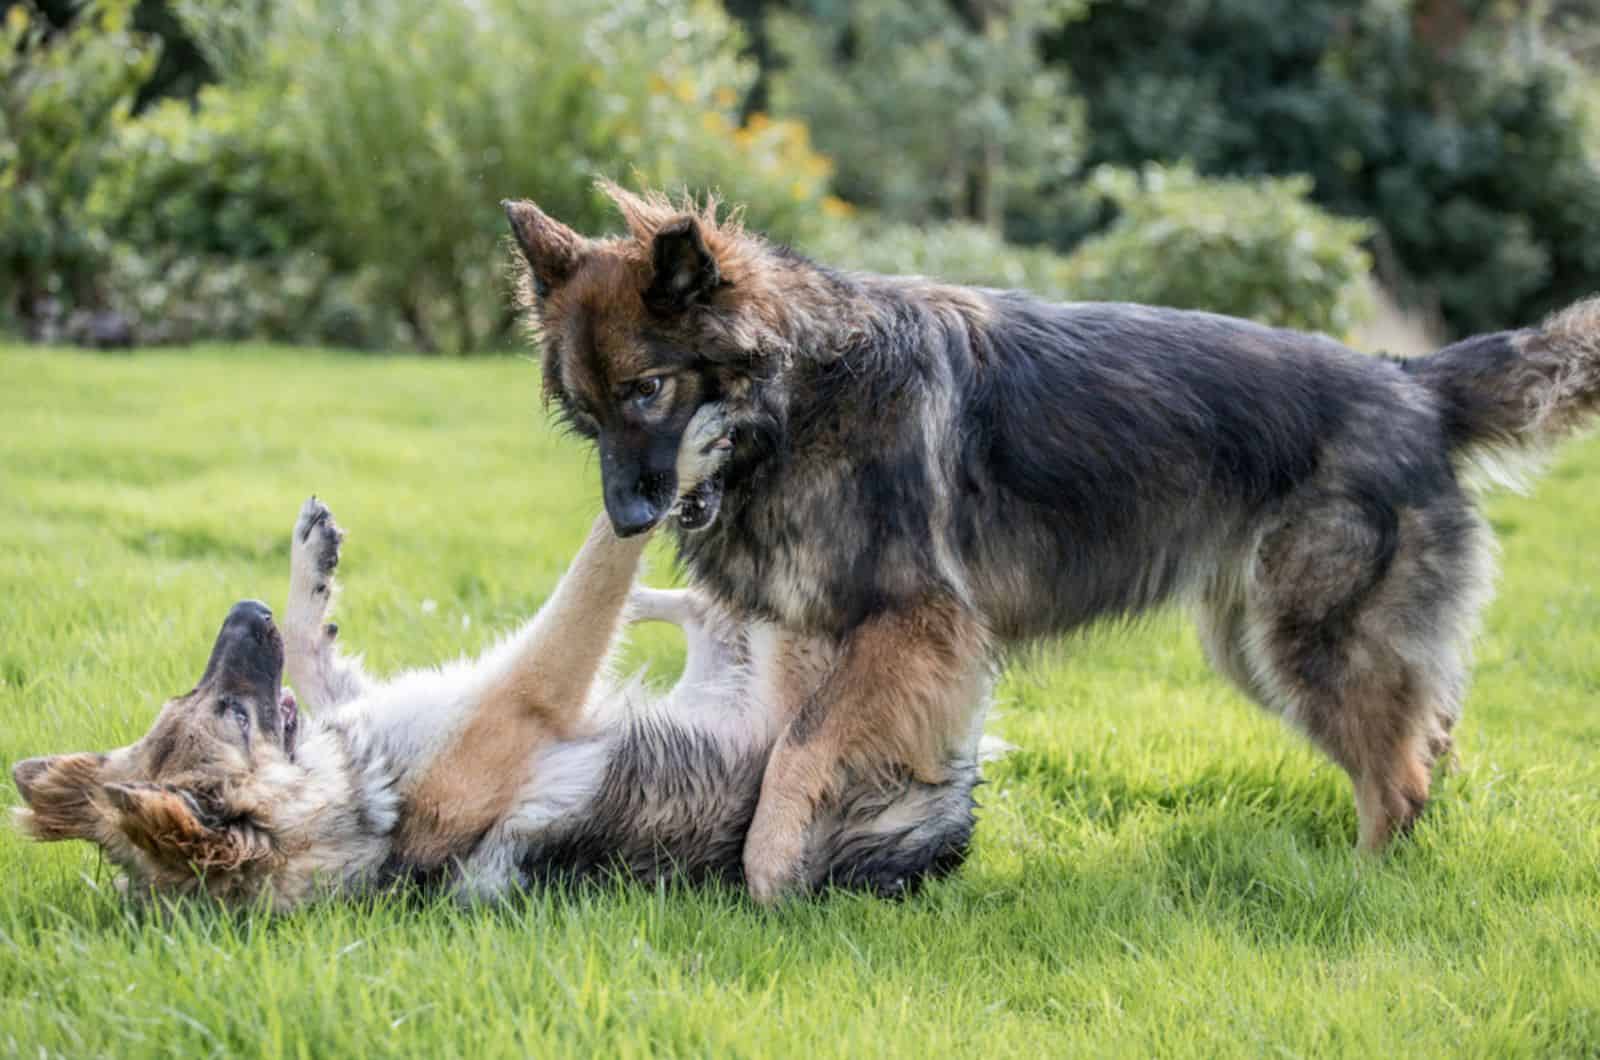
(526, 765)
(925, 475)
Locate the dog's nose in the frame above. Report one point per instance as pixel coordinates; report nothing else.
(251, 613)
(633, 516)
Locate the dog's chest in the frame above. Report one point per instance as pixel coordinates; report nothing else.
(819, 544)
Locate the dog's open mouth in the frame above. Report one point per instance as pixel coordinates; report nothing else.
(698, 508)
(289, 713)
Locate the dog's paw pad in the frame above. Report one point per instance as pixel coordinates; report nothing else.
(708, 429)
(317, 539)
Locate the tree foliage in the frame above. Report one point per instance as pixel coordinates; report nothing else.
(63, 97)
(1451, 123)
(931, 110)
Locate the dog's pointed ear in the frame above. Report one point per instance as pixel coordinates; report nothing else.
(58, 796)
(168, 825)
(685, 271)
(550, 250)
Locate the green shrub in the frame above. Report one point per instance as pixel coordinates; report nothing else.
(1254, 249)
(931, 110)
(63, 98)
(954, 251)
(1448, 124)
(205, 180)
(172, 297)
(392, 129)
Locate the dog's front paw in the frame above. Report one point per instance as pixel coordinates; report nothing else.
(773, 863)
(315, 548)
(313, 557)
(707, 443)
(705, 447)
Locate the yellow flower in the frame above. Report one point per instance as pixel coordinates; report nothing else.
(833, 206)
(818, 166)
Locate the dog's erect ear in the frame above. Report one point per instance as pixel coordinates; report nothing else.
(166, 823)
(685, 272)
(58, 796)
(550, 249)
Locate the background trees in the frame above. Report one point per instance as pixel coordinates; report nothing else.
(316, 172)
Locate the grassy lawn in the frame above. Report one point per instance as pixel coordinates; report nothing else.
(1159, 868)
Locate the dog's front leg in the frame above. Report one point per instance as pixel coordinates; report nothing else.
(556, 658)
(319, 674)
(897, 698)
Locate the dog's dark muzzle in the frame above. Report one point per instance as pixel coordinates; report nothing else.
(637, 498)
(247, 663)
(631, 515)
(248, 653)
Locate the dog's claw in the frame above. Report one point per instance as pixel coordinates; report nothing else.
(318, 536)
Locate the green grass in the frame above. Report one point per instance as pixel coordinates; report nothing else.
(1159, 868)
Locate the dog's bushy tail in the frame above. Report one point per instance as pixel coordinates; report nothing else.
(1523, 390)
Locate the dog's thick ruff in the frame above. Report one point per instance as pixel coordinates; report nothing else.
(981, 468)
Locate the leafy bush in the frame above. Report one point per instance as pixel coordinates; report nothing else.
(63, 98)
(1448, 124)
(170, 297)
(211, 179)
(954, 251)
(932, 110)
(1254, 249)
(393, 129)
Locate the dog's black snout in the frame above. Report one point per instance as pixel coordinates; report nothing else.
(633, 515)
(250, 613)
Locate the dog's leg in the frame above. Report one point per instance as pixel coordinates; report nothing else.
(536, 687)
(319, 674)
(680, 607)
(1356, 630)
(554, 660)
(899, 696)
(532, 691)
(551, 664)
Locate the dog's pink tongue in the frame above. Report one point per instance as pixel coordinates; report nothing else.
(286, 699)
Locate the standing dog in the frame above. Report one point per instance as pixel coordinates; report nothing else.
(925, 474)
(520, 766)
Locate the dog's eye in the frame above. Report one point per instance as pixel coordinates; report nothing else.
(236, 710)
(647, 388)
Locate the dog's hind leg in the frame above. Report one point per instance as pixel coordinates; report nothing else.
(320, 675)
(714, 643)
(1358, 622)
(681, 607)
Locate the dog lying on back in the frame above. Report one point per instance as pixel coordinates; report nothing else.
(527, 764)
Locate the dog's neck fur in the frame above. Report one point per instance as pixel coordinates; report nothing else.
(332, 825)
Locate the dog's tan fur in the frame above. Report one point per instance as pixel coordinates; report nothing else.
(475, 779)
(917, 674)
